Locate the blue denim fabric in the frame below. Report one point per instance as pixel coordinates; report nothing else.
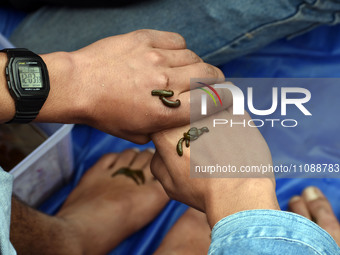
(6, 181)
(217, 30)
(263, 232)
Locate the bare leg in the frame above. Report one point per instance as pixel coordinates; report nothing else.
(100, 212)
(190, 235)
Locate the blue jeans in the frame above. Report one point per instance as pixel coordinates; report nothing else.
(268, 232)
(217, 30)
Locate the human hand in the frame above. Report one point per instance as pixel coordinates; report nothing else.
(218, 197)
(111, 82)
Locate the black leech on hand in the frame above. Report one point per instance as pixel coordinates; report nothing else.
(136, 175)
(164, 93)
(162, 96)
(191, 135)
(180, 146)
(170, 103)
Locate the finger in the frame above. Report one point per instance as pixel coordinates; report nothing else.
(124, 159)
(107, 161)
(180, 77)
(177, 58)
(216, 100)
(297, 205)
(142, 162)
(160, 39)
(322, 212)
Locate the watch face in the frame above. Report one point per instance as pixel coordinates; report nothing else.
(30, 75)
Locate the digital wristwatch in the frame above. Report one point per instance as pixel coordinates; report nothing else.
(28, 83)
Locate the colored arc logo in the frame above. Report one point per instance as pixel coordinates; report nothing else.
(209, 93)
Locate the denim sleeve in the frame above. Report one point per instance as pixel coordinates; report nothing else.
(6, 181)
(270, 232)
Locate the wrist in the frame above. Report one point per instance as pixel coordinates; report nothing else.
(247, 194)
(63, 104)
(7, 109)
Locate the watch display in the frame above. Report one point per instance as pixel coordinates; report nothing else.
(30, 75)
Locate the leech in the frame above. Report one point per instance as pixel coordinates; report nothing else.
(136, 175)
(162, 96)
(187, 143)
(191, 135)
(180, 147)
(169, 102)
(164, 93)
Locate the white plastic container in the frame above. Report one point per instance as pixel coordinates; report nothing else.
(47, 168)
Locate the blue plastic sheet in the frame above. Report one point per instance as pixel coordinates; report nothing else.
(316, 54)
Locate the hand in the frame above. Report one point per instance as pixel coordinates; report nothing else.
(110, 83)
(218, 197)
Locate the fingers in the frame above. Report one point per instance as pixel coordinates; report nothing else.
(321, 211)
(124, 159)
(178, 58)
(315, 206)
(299, 206)
(160, 39)
(180, 76)
(217, 99)
(142, 161)
(107, 161)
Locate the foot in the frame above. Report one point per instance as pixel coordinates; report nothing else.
(190, 235)
(104, 210)
(313, 205)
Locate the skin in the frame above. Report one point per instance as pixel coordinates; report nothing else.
(217, 197)
(103, 83)
(98, 214)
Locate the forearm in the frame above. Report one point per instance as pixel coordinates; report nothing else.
(36, 233)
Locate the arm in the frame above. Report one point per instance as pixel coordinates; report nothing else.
(241, 209)
(108, 84)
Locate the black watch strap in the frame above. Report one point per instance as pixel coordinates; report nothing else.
(26, 109)
(18, 52)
